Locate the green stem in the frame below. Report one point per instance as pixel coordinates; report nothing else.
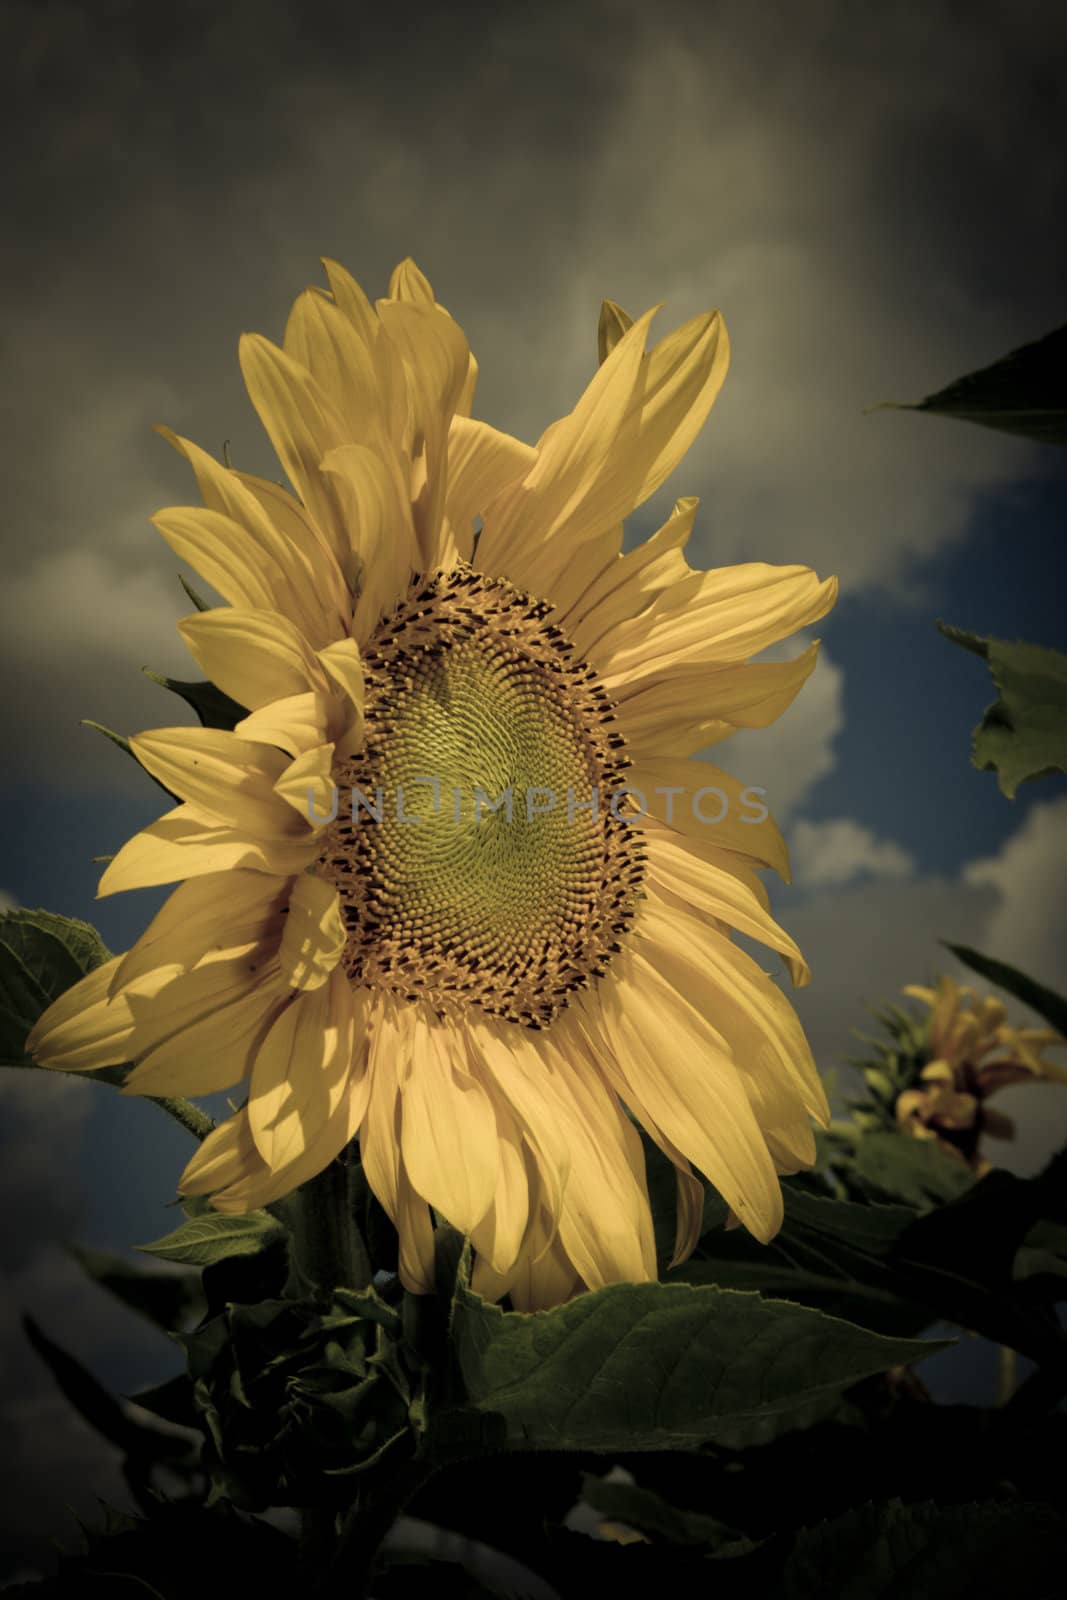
(317, 1533)
(329, 1245)
(367, 1523)
(195, 1121)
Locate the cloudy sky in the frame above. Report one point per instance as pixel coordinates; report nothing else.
(871, 209)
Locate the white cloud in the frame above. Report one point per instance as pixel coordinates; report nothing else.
(1028, 929)
(7, 901)
(841, 849)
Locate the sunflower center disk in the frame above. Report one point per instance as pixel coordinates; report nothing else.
(476, 850)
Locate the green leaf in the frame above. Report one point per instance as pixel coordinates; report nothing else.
(173, 1400)
(166, 1298)
(655, 1365)
(1023, 734)
(203, 1240)
(42, 955)
(215, 709)
(100, 1409)
(830, 1253)
(1047, 1004)
(1023, 393)
(930, 1552)
(649, 1513)
(894, 1167)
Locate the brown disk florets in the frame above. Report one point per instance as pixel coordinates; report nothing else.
(480, 849)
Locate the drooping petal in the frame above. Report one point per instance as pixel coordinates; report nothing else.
(702, 1107)
(302, 1068)
(448, 1130)
(748, 1007)
(226, 1155)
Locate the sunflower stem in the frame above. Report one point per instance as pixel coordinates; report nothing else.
(329, 1245)
(369, 1520)
(197, 1122)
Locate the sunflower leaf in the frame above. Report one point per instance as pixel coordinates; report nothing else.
(653, 1366)
(203, 1240)
(1023, 393)
(1047, 1004)
(165, 1298)
(99, 1408)
(889, 1166)
(42, 955)
(1023, 734)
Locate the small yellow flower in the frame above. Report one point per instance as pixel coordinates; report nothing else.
(478, 997)
(972, 1053)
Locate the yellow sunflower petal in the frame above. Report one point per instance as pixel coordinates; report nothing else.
(302, 1068)
(725, 615)
(747, 1005)
(576, 484)
(216, 771)
(298, 724)
(707, 887)
(408, 283)
(314, 935)
(84, 1028)
(213, 1022)
(189, 841)
(225, 1155)
(687, 796)
(253, 656)
(702, 1107)
(498, 1237)
(273, 549)
(206, 918)
(546, 1275)
(302, 425)
(631, 581)
(436, 355)
(446, 1110)
(379, 527)
(482, 461)
(675, 708)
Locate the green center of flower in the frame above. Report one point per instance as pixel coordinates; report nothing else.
(480, 848)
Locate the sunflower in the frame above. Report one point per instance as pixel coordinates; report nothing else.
(454, 884)
(971, 1052)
